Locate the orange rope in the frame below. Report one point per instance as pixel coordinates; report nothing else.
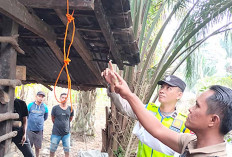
(70, 19)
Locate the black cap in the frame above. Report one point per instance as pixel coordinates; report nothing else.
(173, 81)
(41, 93)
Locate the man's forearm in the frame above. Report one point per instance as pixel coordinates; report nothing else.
(24, 124)
(121, 104)
(144, 116)
(149, 140)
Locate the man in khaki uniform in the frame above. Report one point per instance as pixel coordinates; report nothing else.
(210, 119)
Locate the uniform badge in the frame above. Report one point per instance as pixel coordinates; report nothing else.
(176, 125)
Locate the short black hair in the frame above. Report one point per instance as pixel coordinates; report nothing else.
(62, 94)
(220, 103)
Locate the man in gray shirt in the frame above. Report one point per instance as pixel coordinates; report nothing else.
(62, 115)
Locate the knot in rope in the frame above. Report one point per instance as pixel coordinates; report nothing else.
(69, 17)
(66, 61)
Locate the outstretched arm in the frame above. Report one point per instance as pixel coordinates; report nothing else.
(149, 140)
(121, 104)
(165, 135)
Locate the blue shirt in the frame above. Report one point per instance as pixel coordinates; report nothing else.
(37, 115)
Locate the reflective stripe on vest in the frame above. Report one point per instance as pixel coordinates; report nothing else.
(174, 122)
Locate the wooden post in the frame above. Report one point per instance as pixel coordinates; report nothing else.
(7, 71)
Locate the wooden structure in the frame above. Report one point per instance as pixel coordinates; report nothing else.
(31, 35)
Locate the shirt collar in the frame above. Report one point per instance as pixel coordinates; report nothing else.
(173, 115)
(209, 149)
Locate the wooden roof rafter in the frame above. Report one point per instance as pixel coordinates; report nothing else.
(107, 32)
(20, 14)
(84, 87)
(115, 31)
(59, 4)
(81, 48)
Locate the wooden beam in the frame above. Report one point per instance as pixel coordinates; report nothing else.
(7, 71)
(8, 136)
(82, 49)
(98, 30)
(88, 29)
(74, 86)
(10, 82)
(21, 72)
(13, 41)
(16, 124)
(19, 13)
(107, 32)
(44, 84)
(8, 115)
(59, 4)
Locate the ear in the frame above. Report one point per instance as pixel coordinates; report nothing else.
(214, 120)
(179, 96)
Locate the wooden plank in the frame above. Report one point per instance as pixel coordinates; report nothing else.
(81, 48)
(13, 41)
(21, 72)
(19, 13)
(7, 71)
(104, 143)
(59, 4)
(75, 86)
(108, 34)
(98, 30)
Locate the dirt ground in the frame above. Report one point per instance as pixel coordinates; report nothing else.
(77, 142)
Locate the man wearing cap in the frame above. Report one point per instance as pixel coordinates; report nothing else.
(171, 91)
(38, 113)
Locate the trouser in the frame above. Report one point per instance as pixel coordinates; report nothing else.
(26, 148)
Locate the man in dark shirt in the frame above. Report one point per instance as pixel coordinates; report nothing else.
(62, 115)
(21, 140)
